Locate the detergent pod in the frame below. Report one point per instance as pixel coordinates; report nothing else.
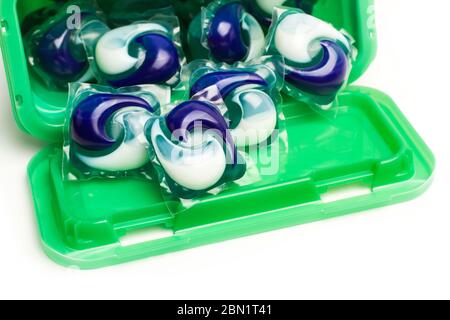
(54, 49)
(317, 57)
(262, 10)
(104, 132)
(193, 150)
(228, 32)
(146, 52)
(251, 95)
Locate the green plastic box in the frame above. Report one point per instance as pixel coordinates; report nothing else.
(370, 146)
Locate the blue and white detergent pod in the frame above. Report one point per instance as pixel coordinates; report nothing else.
(228, 33)
(105, 128)
(317, 57)
(193, 150)
(147, 52)
(251, 94)
(55, 50)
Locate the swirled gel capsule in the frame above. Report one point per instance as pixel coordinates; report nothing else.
(107, 131)
(318, 58)
(193, 146)
(230, 33)
(141, 53)
(262, 10)
(55, 50)
(252, 111)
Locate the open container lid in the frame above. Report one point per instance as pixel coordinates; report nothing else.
(370, 148)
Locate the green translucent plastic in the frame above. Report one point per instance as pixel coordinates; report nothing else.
(370, 144)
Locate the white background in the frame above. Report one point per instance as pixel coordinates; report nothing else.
(395, 252)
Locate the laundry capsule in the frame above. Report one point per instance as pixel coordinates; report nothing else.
(140, 53)
(55, 50)
(228, 33)
(317, 57)
(106, 129)
(250, 94)
(194, 149)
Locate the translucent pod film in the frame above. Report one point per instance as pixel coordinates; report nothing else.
(54, 49)
(144, 52)
(193, 150)
(317, 57)
(251, 94)
(228, 33)
(104, 135)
